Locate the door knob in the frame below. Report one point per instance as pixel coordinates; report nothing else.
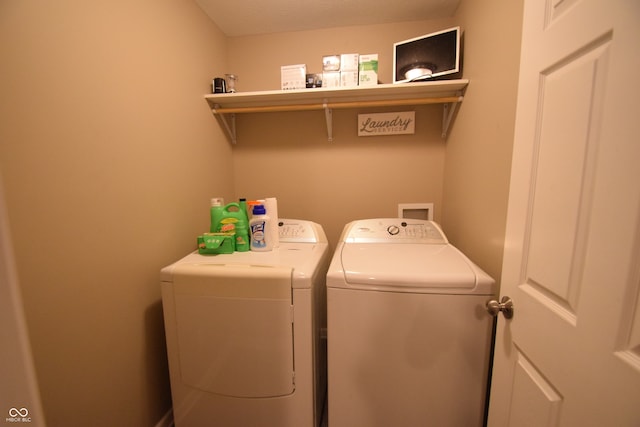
(505, 306)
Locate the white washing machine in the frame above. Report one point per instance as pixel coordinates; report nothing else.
(243, 333)
(408, 333)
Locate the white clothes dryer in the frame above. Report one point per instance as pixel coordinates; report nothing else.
(408, 334)
(243, 333)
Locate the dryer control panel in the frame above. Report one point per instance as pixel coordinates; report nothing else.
(390, 230)
(297, 231)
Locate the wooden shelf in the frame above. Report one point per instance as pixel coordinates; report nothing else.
(448, 92)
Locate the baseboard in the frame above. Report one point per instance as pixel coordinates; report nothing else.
(167, 420)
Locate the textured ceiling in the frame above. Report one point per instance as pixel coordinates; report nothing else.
(251, 17)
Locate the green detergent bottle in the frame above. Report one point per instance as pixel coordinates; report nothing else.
(232, 218)
(217, 206)
(242, 228)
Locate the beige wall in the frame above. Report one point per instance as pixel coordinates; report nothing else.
(106, 153)
(478, 153)
(287, 155)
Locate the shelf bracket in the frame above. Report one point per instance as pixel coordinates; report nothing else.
(228, 122)
(449, 110)
(328, 116)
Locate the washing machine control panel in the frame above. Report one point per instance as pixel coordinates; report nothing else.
(401, 230)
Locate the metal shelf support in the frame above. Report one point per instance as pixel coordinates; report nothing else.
(229, 124)
(328, 116)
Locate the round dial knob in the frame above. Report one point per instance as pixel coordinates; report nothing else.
(393, 230)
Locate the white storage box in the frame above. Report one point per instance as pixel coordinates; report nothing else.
(293, 77)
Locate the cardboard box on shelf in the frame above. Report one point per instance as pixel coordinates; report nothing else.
(349, 62)
(368, 70)
(331, 79)
(348, 78)
(293, 77)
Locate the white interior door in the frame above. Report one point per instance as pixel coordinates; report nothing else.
(570, 356)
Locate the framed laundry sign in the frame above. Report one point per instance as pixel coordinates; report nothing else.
(378, 124)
